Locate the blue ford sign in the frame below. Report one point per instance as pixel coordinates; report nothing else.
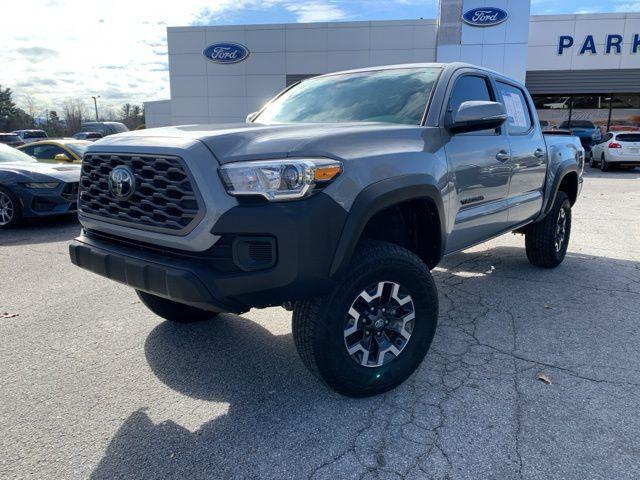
(226, 52)
(484, 17)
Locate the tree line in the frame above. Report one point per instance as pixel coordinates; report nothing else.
(64, 121)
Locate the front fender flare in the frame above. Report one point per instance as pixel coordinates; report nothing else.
(374, 199)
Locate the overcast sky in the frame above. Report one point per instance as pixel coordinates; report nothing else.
(56, 49)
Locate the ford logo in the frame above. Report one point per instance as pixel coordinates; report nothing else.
(226, 52)
(484, 17)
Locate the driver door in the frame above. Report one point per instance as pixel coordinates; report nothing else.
(479, 162)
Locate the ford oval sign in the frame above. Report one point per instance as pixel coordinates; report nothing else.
(484, 17)
(226, 52)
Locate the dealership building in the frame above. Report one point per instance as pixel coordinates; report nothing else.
(577, 67)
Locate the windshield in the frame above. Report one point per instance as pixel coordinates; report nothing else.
(577, 123)
(393, 96)
(35, 134)
(79, 148)
(10, 154)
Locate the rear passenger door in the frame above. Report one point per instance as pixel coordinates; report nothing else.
(528, 154)
(479, 164)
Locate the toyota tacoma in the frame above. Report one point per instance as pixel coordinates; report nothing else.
(335, 200)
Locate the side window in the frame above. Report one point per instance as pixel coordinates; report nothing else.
(515, 103)
(469, 87)
(607, 137)
(47, 152)
(28, 150)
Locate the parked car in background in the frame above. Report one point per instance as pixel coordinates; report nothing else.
(59, 150)
(11, 139)
(32, 189)
(617, 149)
(90, 136)
(587, 131)
(29, 136)
(564, 102)
(105, 128)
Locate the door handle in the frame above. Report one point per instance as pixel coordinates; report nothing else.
(539, 153)
(503, 156)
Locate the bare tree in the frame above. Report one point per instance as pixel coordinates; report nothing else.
(75, 112)
(34, 108)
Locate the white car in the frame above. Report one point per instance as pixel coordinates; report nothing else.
(616, 149)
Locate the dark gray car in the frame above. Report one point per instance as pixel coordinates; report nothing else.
(30, 189)
(336, 201)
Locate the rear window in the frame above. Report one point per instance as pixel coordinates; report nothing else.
(35, 135)
(628, 137)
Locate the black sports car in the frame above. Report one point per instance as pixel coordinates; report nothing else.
(32, 189)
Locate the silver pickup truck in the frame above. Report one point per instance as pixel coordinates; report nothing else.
(335, 200)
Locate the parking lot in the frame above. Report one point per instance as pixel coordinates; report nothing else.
(94, 385)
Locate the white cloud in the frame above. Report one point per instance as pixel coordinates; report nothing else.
(627, 7)
(316, 11)
(74, 48)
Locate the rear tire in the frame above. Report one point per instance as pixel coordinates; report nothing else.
(604, 166)
(10, 211)
(546, 241)
(174, 311)
(372, 331)
(592, 162)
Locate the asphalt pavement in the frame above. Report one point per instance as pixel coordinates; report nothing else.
(533, 374)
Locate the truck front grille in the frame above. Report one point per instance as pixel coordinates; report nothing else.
(163, 199)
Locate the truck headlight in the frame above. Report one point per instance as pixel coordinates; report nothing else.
(285, 179)
(41, 185)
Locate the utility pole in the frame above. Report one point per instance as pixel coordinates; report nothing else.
(95, 104)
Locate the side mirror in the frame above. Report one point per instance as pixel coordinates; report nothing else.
(62, 157)
(251, 117)
(476, 115)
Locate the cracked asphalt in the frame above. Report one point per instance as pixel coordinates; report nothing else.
(95, 386)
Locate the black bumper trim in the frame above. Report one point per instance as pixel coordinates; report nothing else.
(160, 279)
(305, 235)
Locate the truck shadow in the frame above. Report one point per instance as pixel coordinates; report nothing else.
(42, 230)
(280, 418)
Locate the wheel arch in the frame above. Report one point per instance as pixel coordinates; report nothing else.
(567, 179)
(400, 192)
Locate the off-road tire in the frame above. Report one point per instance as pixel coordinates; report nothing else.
(540, 237)
(17, 211)
(173, 311)
(318, 324)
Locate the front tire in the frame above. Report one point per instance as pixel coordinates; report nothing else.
(372, 331)
(10, 212)
(546, 241)
(173, 311)
(604, 166)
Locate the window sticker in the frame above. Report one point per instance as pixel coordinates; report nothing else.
(515, 109)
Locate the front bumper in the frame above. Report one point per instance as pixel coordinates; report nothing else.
(304, 237)
(47, 202)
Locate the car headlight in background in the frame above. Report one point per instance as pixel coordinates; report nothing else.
(39, 185)
(285, 179)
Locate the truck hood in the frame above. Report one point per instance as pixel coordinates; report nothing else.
(37, 171)
(247, 141)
